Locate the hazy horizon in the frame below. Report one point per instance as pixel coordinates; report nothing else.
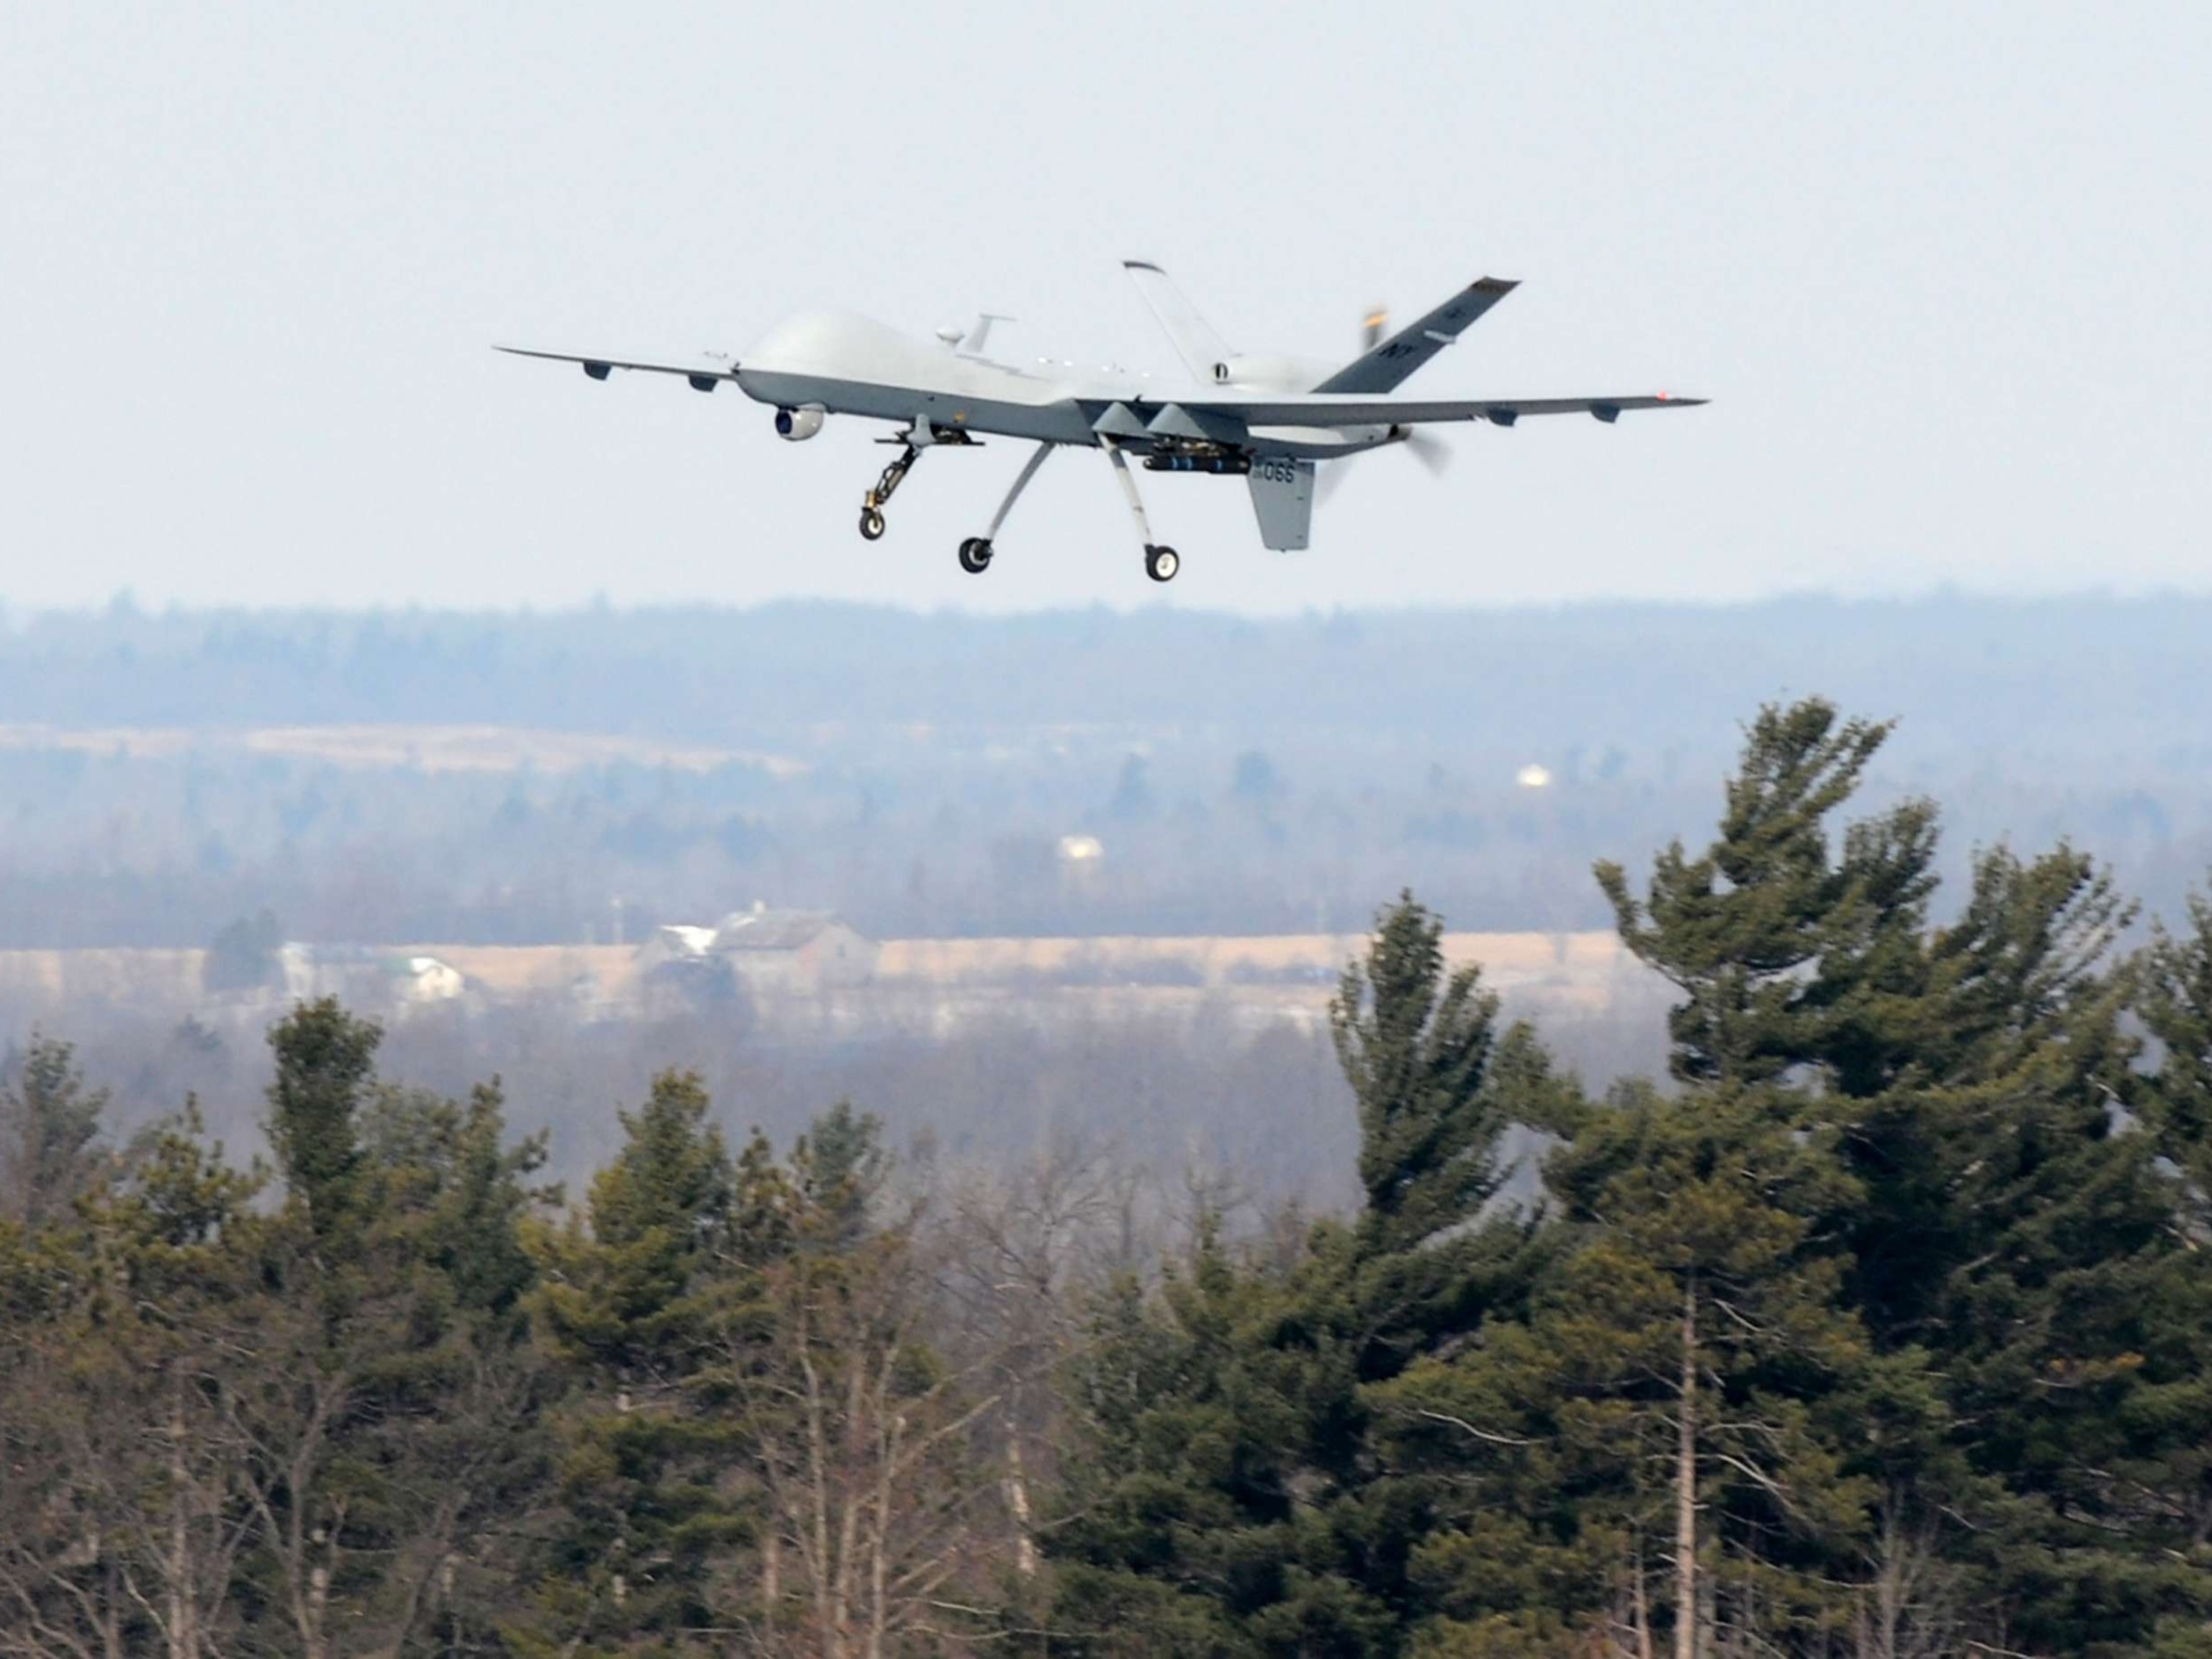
(127, 601)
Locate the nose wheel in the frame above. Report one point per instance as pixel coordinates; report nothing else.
(1161, 563)
(871, 504)
(976, 554)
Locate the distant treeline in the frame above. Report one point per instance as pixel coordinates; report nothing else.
(2048, 676)
(1882, 1326)
(1242, 776)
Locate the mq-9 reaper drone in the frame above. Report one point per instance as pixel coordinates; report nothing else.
(1268, 420)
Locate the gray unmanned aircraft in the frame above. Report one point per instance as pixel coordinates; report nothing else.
(1268, 420)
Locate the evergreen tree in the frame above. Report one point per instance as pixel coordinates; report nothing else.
(386, 1399)
(1976, 1081)
(325, 1059)
(1414, 1041)
(1787, 953)
(1686, 1433)
(49, 1130)
(636, 1293)
(1227, 1500)
(840, 1165)
(121, 1511)
(2177, 1009)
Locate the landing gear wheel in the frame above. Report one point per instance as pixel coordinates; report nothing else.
(872, 524)
(976, 555)
(1161, 563)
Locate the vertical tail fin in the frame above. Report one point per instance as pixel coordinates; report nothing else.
(1197, 344)
(1282, 499)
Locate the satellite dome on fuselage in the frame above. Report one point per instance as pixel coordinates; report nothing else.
(841, 343)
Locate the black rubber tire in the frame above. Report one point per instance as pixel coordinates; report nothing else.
(976, 555)
(872, 524)
(1161, 563)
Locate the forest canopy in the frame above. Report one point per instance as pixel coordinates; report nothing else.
(1881, 1325)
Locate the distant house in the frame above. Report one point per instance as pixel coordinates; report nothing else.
(674, 944)
(794, 950)
(758, 950)
(381, 980)
(677, 969)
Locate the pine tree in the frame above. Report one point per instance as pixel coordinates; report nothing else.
(121, 1512)
(1414, 1042)
(325, 1059)
(2176, 1008)
(1975, 1079)
(841, 1166)
(1689, 1390)
(636, 1294)
(1227, 1499)
(1788, 955)
(387, 1398)
(49, 1131)
(1185, 1491)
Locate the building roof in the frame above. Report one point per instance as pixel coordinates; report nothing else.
(675, 939)
(772, 930)
(391, 963)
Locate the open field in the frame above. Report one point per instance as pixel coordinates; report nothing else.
(1582, 970)
(376, 747)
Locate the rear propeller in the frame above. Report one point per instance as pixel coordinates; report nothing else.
(1431, 451)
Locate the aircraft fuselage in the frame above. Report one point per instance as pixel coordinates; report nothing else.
(853, 364)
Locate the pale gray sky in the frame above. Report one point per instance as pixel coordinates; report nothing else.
(1947, 270)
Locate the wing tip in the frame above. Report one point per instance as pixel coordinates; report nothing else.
(1142, 265)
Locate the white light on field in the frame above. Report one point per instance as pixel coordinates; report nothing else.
(1532, 776)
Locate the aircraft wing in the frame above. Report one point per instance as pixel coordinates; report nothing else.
(1325, 409)
(702, 372)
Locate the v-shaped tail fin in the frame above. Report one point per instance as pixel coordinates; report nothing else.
(1386, 363)
(1197, 344)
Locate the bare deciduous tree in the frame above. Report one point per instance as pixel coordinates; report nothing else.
(859, 1436)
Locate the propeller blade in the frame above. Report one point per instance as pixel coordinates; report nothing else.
(1431, 451)
(1371, 329)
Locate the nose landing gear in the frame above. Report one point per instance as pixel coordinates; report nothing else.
(871, 504)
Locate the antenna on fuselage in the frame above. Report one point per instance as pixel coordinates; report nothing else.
(981, 332)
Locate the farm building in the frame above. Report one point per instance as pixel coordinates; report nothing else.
(794, 950)
(366, 977)
(758, 950)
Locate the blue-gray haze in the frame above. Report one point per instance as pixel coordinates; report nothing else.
(1245, 775)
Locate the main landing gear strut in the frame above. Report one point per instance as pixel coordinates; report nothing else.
(1160, 562)
(975, 551)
